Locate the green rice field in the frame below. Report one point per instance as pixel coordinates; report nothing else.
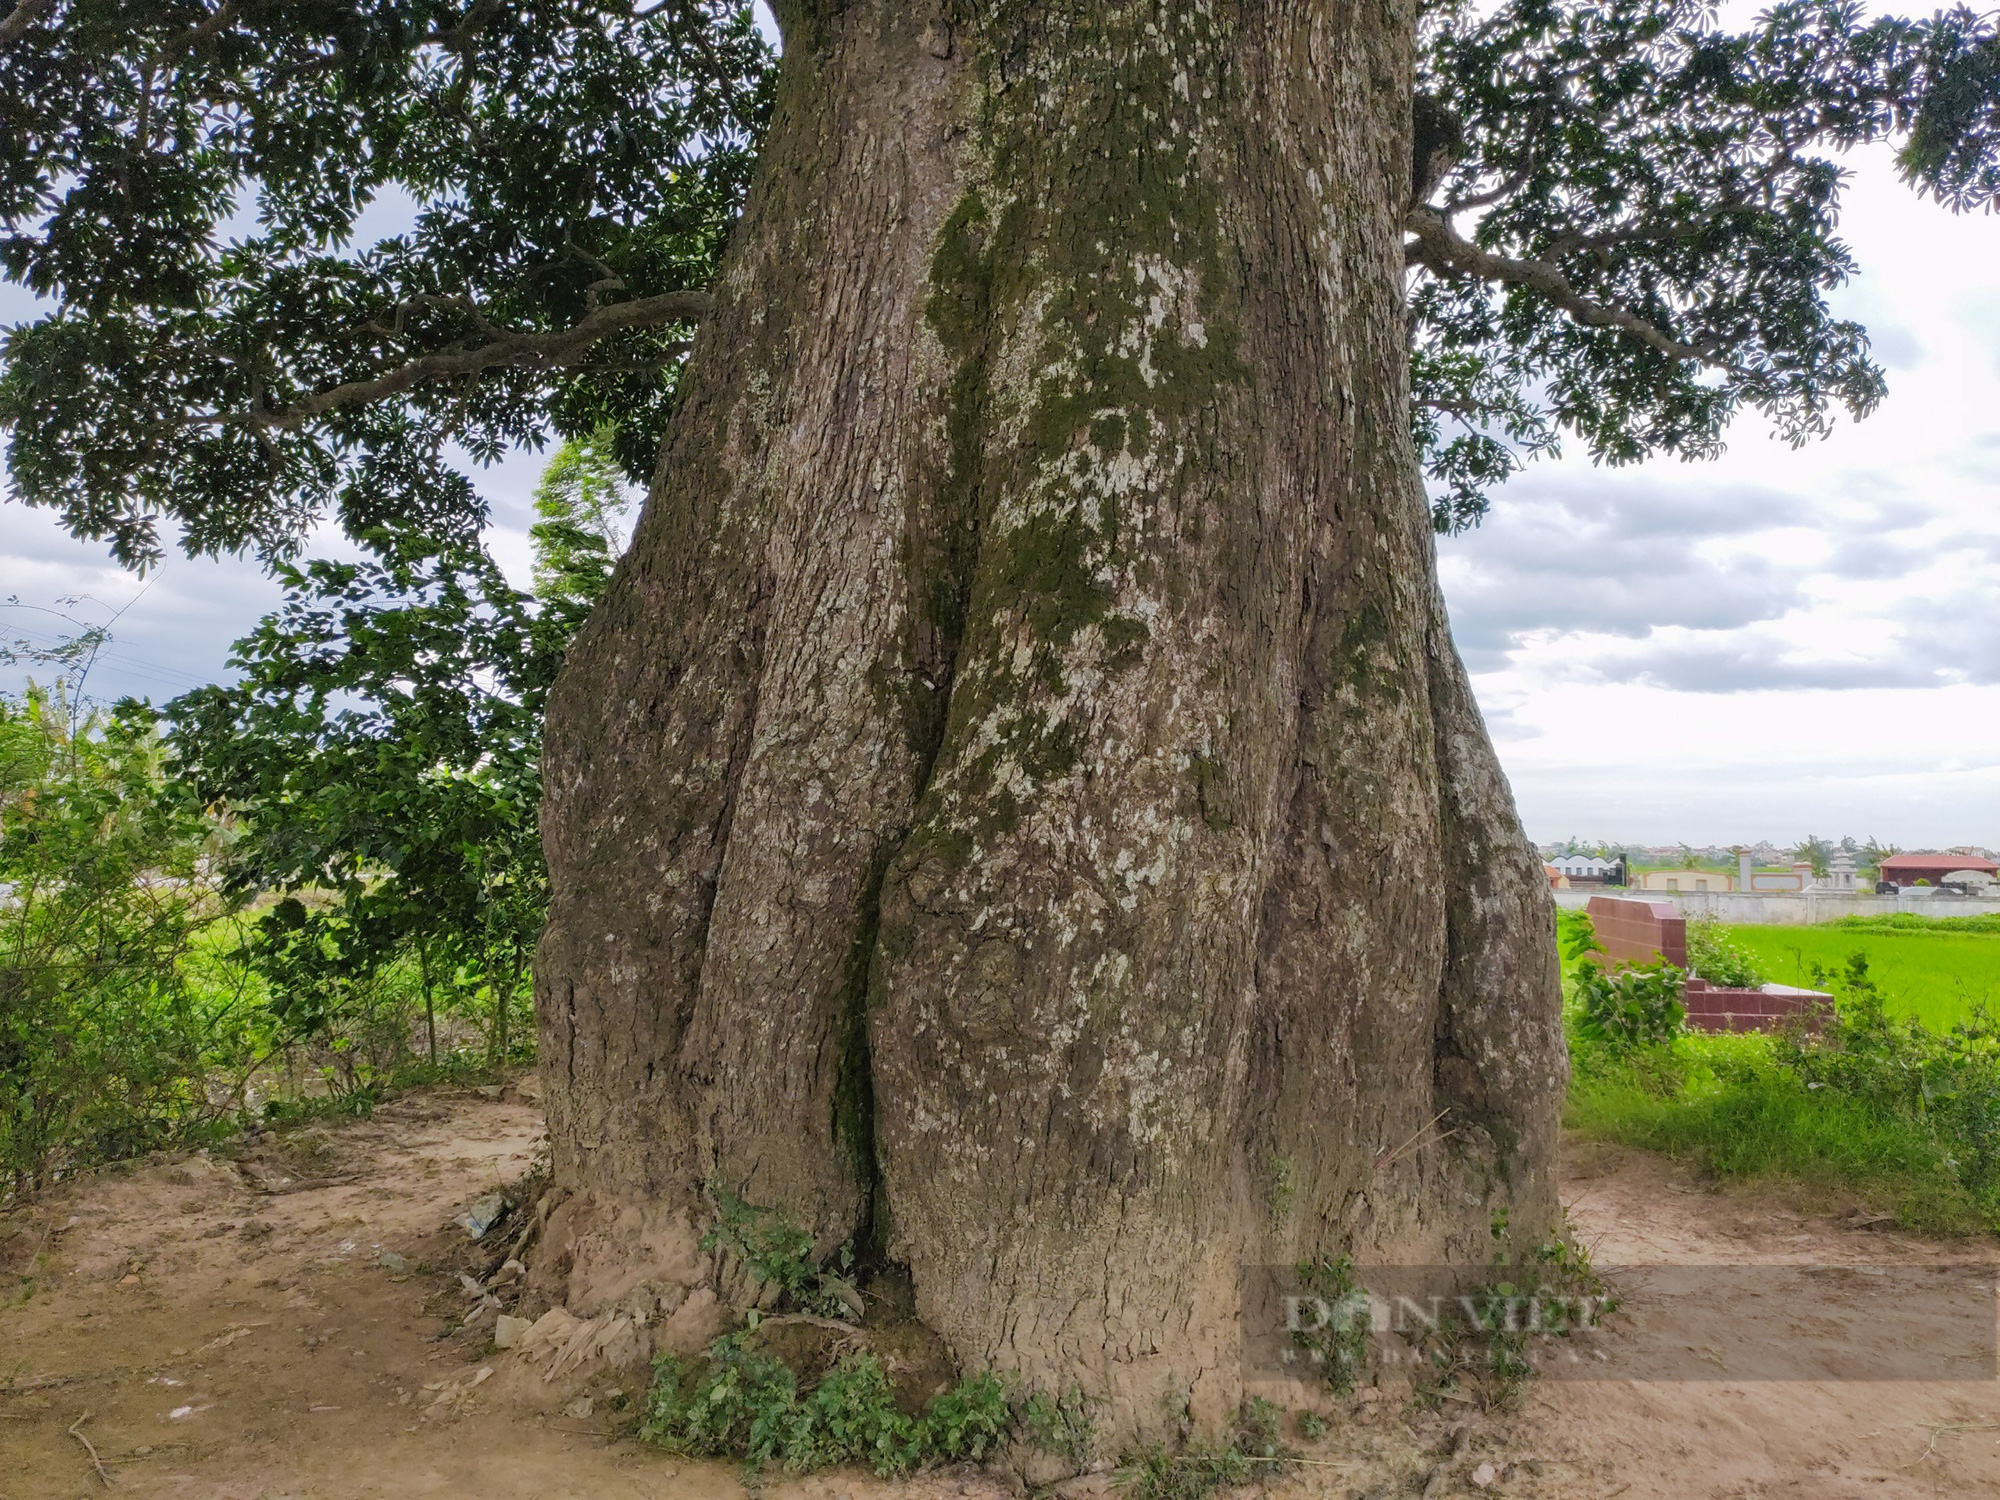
(1936, 971)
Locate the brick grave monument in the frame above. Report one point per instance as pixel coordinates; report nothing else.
(1649, 932)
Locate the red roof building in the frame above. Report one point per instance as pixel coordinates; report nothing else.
(1908, 869)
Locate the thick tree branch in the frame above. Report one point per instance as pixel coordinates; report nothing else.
(1444, 250)
(21, 17)
(533, 351)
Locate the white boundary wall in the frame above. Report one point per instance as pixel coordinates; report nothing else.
(1786, 909)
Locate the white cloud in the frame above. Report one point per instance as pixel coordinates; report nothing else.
(1782, 639)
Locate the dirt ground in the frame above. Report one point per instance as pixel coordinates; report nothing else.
(282, 1325)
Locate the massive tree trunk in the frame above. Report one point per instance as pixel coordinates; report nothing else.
(1018, 808)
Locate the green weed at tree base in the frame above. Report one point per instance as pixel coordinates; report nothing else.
(739, 1401)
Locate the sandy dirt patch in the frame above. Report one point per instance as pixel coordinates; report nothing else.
(289, 1325)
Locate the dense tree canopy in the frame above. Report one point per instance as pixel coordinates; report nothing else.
(379, 746)
(234, 342)
(292, 255)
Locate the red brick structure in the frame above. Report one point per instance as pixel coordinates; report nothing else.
(1713, 1008)
(1639, 932)
(1645, 932)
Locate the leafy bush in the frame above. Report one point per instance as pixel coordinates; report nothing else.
(742, 1402)
(104, 892)
(1948, 1080)
(1576, 936)
(1634, 1008)
(1713, 957)
(1875, 1102)
(378, 754)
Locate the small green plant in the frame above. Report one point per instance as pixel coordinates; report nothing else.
(1576, 936)
(742, 1402)
(1061, 1426)
(1631, 1009)
(739, 1402)
(1312, 1426)
(1252, 1450)
(1553, 1283)
(776, 1252)
(1712, 956)
(1334, 1339)
(971, 1419)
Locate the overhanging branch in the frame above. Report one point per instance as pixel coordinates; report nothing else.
(529, 351)
(1444, 250)
(21, 17)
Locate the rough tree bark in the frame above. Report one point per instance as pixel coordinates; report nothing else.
(1018, 807)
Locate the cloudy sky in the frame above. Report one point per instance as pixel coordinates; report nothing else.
(1775, 643)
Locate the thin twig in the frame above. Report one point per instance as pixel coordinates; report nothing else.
(811, 1320)
(1396, 1155)
(76, 1431)
(1938, 1429)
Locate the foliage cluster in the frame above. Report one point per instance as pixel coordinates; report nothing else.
(288, 253)
(1876, 1104)
(740, 1401)
(266, 904)
(1649, 161)
(1949, 1081)
(1635, 1007)
(140, 1007)
(378, 755)
(244, 217)
(1712, 956)
(777, 1254)
(105, 888)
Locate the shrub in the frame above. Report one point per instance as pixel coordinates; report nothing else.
(742, 1402)
(103, 893)
(1875, 1102)
(1713, 957)
(1631, 1009)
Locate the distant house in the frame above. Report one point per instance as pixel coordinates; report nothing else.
(1557, 880)
(1686, 880)
(1589, 869)
(1931, 869)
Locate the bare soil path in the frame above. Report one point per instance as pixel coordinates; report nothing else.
(283, 1326)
